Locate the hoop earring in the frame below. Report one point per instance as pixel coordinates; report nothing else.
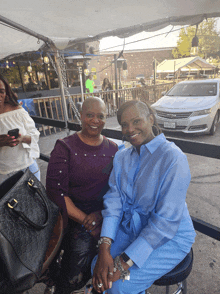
(155, 130)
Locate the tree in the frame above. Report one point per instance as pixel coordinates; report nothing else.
(209, 40)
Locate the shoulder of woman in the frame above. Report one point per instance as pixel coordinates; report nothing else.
(67, 142)
(172, 154)
(110, 142)
(9, 107)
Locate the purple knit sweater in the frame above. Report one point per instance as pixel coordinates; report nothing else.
(79, 171)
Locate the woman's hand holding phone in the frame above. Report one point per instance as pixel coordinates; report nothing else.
(14, 133)
(6, 140)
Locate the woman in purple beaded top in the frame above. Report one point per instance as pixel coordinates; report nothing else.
(77, 178)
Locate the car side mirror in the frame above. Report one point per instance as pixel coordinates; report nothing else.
(163, 93)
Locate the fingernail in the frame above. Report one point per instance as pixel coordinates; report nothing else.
(14, 144)
(13, 137)
(14, 140)
(110, 285)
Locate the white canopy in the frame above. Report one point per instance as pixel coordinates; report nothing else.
(68, 22)
(188, 63)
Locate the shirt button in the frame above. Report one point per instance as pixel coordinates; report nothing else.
(62, 194)
(65, 160)
(58, 184)
(60, 171)
(75, 153)
(103, 154)
(94, 154)
(85, 154)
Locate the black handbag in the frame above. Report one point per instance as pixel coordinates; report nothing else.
(27, 220)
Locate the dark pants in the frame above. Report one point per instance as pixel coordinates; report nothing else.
(79, 250)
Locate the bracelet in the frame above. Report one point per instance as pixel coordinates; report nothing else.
(104, 240)
(125, 274)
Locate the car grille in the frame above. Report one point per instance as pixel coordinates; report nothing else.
(173, 115)
(176, 128)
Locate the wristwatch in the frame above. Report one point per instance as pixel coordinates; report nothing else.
(126, 259)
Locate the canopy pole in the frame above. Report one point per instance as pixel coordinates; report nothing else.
(63, 99)
(116, 82)
(26, 30)
(81, 83)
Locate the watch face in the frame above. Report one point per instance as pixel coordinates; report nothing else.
(125, 257)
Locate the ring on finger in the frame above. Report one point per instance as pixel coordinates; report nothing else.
(99, 285)
(93, 223)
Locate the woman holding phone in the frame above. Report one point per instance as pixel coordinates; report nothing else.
(18, 135)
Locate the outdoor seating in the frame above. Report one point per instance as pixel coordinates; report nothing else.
(178, 275)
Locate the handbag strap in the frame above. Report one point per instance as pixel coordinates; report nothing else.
(13, 204)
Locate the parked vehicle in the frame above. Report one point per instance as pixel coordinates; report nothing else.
(170, 76)
(190, 107)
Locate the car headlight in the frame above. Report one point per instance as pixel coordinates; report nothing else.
(201, 112)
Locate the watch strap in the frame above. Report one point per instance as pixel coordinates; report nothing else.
(127, 259)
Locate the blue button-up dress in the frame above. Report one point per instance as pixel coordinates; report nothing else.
(145, 212)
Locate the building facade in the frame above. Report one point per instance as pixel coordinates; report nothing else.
(139, 62)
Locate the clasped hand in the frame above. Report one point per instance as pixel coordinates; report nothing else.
(92, 223)
(104, 274)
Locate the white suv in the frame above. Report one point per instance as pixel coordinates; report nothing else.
(190, 107)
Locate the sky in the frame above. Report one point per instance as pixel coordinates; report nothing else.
(164, 40)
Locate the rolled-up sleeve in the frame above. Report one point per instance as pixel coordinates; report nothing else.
(167, 214)
(57, 180)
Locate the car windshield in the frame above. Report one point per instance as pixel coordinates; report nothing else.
(200, 89)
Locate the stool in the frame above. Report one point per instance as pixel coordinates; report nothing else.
(178, 275)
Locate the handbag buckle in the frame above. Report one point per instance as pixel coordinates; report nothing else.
(12, 203)
(31, 182)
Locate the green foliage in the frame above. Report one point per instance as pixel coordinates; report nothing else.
(12, 75)
(209, 40)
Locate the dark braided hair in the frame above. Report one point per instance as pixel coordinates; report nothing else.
(11, 97)
(144, 108)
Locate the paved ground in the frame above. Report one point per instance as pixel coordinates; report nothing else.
(203, 202)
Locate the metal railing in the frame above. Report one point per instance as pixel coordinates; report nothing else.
(51, 107)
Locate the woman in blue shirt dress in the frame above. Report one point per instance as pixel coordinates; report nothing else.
(147, 229)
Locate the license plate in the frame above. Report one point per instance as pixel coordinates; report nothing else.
(170, 125)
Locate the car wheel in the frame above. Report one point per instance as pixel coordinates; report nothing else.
(214, 125)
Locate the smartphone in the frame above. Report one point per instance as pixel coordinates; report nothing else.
(14, 132)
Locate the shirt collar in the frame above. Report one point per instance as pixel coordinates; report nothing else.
(153, 144)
